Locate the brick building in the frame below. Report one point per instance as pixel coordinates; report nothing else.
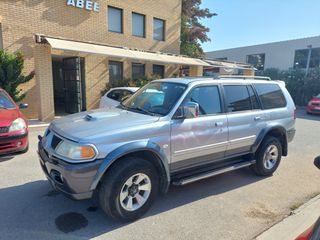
(77, 46)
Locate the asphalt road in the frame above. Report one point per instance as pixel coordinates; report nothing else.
(236, 205)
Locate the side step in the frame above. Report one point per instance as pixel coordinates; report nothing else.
(208, 174)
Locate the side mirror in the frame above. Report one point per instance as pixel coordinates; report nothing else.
(23, 105)
(317, 162)
(188, 110)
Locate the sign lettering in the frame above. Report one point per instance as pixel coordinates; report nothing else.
(84, 4)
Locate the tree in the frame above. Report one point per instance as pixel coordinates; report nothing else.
(11, 66)
(193, 33)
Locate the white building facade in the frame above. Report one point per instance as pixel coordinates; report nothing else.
(298, 53)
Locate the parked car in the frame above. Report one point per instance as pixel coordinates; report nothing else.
(313, 233)
(115, 95)
(313, 106)
(13, 126)
(171, 131)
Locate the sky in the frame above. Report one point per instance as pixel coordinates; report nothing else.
(249, 22)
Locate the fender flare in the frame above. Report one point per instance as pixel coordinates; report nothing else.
(265, 132)
(131, 148)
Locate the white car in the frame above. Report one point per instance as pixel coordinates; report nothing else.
(115, 95)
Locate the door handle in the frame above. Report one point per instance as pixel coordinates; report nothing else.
(258, 118)
(218, 124)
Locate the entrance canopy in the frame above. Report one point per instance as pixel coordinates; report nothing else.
(68, 45)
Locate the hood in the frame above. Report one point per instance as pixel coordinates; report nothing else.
(7, 116)
(82, 127)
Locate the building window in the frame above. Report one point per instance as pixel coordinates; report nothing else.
(115, 73)
(138, 25)
(138, 70)
(115, 16)
(301, 58)
(158, 70)
(158, 29)
(257, 60)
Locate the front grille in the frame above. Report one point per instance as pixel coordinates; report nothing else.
(4, 129)
(315, 104)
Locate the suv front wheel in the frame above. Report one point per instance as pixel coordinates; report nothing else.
(268, 157)
(128, 189)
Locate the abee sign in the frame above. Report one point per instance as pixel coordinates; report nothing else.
(84, 4)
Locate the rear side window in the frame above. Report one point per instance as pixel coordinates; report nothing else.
(270, 95)
(237, 98)
(208, 98)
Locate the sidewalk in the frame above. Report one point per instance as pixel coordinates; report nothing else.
(37, 123)
(295, 224)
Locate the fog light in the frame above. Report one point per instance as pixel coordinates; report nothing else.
(19, 144)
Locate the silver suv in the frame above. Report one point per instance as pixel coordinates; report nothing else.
(171, 131)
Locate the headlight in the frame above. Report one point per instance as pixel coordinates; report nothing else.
(17, 125)
(310, 103)
(75, 152)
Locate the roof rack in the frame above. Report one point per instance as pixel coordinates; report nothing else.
(246, 77)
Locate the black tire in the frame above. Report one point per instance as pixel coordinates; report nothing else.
(259, 167)
(115, 179)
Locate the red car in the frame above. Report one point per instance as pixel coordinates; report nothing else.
(314, 105)
(313, 233)
(13, 126)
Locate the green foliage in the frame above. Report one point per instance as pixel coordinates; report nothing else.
(11, 66)
(129, 82)
(192, 31)
(301, 87)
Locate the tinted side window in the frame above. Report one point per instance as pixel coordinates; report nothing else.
(208, 98)
(254, 99)
(237, 98)
(271, 95)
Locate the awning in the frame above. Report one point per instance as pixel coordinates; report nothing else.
(229, 65)
(68, 45)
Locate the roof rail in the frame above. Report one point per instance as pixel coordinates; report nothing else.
(246, 77)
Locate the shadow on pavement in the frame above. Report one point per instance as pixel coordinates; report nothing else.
(34, 210)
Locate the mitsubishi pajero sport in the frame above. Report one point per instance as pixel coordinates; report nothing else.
(171, 131)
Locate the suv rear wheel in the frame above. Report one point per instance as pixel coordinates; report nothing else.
(268, 157)
(128, 189)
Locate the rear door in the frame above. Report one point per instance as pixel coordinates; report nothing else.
(72, 84)
(203, 139)
(245, 118)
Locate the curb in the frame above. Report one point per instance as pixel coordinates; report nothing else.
(295, 223)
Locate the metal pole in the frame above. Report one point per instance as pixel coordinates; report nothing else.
(309, 58)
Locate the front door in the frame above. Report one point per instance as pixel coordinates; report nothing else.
(200, 140)
(72, 78)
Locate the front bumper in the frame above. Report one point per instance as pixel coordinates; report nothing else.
(73, 180)
(13, 143)
(314, 110)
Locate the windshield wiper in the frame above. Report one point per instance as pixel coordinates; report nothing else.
(142, 110)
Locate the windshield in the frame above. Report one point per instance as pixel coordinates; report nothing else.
(156, 98)
(5, 102)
